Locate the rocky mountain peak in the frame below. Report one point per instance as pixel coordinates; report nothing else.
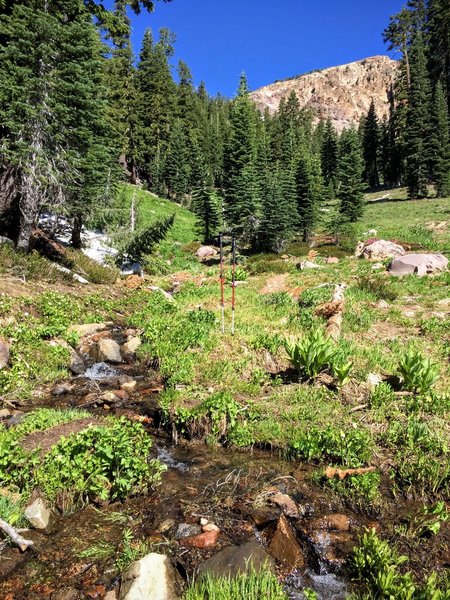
(342, 93)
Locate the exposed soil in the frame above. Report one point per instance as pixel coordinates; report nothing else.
(45, 440)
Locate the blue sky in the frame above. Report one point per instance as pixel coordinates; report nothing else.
(268, 39)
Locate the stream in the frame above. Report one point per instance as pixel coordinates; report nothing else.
(230, 488)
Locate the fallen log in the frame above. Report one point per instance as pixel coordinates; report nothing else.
(335, 310)
(15, 536)
(331, 472)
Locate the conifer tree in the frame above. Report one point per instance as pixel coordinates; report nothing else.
(418, 131)
(440, 142)
(310, 191)
(371, 140)
(350, 175)
(241, 189)
(206, 205)
(329, 153)
(177, 170)
(156, 106)
(275, 228)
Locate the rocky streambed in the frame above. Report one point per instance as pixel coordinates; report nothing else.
(217, 510)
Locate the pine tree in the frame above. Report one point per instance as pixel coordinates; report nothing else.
(329, 153)
(156, 106)
(440, 143)
(206, 205)
(371, 140)
(310, 191)
(275, 228)
(350, 176)
(241, 189)
(177, 169)
(418, 131)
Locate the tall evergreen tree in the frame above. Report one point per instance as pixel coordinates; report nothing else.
(275, 228)
(310, 191)
(177, 170)
(440, 143)
(371, 140)
(329, 153)
(350, 176)
(418, 131)
(206, 205)
(241, 188)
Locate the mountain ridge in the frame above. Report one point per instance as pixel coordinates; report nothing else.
(343, 92)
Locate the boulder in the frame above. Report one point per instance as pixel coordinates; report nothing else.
(284, 546)
(233, 560)
(419, 264)
(151, 578)
(131, 345)
(307, 264)
(129, 386)
(38, 514)
(206, 252)
(380, 250)
(332, 260)
(4, 353)
(107, 350)
(87, 329)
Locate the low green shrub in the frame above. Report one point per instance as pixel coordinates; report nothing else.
(351, 448)
(88, 268)
(312, 354)
(359, 490)
(378, 287)
(252, 586)
(378, 567)
(417, 373)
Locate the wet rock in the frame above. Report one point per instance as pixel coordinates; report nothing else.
(108, 398)
(129, 386)
(286, 504)
(334, 522)
(233, 560)
(107, 350)
(206, 252)
(76, 366)
(332, 547)
(207, 539)
(185, 530)
(87, 329)
(131, 345)
(284, 546)
(38, 514)
(5, 413)
(4, 353)
(151, 578)
(62, 390)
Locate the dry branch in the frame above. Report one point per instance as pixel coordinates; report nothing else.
(334, 324)
(331, 472)
(15, 536)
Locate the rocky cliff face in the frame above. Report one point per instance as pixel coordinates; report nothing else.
(342, 93)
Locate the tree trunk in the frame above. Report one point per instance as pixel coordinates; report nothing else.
(76, 232)
(9, 201)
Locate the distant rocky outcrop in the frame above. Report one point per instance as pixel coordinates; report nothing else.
(343, 93)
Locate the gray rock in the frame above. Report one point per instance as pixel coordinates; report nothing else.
(76, 365)
(61, 390)
(4, 353)
(108, 350)
(185, 530)
(151, 578)
(418, 264)
(380, 250)
(38, 514)
(233, 560)
(6, 240)
(131, 345)
(307, 264)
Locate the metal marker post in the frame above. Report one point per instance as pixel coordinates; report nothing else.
(233, 283)
(222, 282)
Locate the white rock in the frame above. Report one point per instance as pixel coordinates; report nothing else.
(108, 350)
(131, 345)
(377, 266)
(38, 514)
(151, 578)
(307, 264)
(206, 252)
(373, 379)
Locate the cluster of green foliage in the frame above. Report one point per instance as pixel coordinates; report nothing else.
(250, 585)
(377, 566)
(101, 462)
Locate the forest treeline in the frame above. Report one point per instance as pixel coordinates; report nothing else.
(74, 100)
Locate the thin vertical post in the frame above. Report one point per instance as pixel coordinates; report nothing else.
(222, 283)
(233, 283)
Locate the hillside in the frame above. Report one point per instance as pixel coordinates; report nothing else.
(342, 93)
